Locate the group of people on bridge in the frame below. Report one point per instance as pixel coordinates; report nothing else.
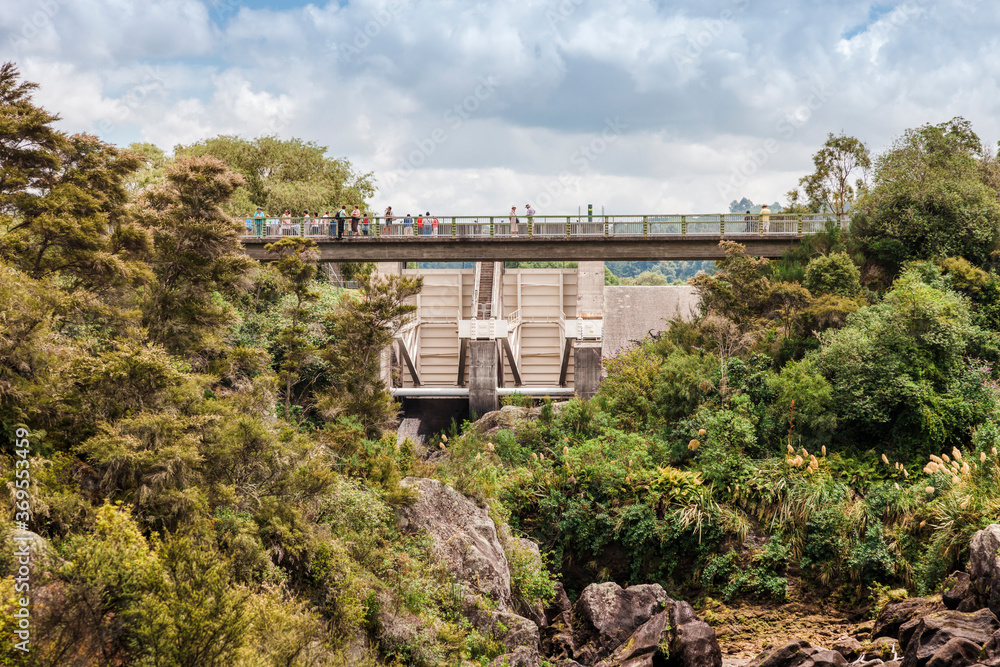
(353, 224)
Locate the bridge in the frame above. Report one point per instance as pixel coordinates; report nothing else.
(489, 331)
(541, 238)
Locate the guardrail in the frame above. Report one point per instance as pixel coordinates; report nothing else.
(545, 226)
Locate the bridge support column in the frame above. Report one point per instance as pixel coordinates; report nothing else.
(587, 368)
(483, 361)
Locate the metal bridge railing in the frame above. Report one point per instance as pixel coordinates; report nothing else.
(546, 226)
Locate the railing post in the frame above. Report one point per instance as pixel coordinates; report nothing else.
(569, 226)
(491, 226)
(453, 228)
(605, 225)
(800, 224)
(722, 225)
(684, 225)
(645, 225)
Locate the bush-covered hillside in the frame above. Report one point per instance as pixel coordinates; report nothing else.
(208, 450)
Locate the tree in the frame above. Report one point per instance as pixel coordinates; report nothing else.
(833, 274)
(901, 373)
(284, 174)
(739, 289)
(362, 327)
(297, 265)
(196, 255)
(829, 187)
(928, 200)
(29, 145)
(61, 197)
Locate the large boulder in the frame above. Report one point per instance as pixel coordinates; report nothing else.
(464, 537)
(944, 637)
(606, 615)
(984, 567)
(895, 614)
(675, 635)
(797, 653)
(991, 651)
(957, 587)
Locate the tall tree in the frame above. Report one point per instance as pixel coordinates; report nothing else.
(842, 166)
(61, 197)
(363, 326)
(280, 174)
(929, 199)
(297, 265)
(196, 254)
(29, 145)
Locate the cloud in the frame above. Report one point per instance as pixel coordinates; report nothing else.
(719, 93)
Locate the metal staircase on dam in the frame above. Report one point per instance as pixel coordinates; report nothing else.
(519, 339)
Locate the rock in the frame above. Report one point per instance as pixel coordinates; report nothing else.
(676, 635)
(821, 657)
(560, 603)
(895, 614)
(931, 638)
(694, 641)
(785, 655)
(798, 653)
(464, 537)
(849, 647)
(606, 615)
(519, 657)
(991, 651)
(957, 587)
(984, 567)
(644, 644)
(883, 648)
(504, 419)
(956, 652)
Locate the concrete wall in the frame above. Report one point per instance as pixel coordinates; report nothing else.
(631, 311)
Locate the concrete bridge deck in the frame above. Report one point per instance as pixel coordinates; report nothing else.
(447, 249)
(548, 238)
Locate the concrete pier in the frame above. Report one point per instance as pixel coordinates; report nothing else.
(483, 360)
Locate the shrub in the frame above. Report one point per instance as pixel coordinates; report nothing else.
(833, 274)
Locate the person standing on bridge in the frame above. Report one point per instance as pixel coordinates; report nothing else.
(258, 221)
(355, 219)
(408, 225)
(428, 224)
(341, 216)
(388, 220)
(765, 219)
(514, 222)
(748, 222)
(530, 214)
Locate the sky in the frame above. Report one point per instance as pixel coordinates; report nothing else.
(468, 108)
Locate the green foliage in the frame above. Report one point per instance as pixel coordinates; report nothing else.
(281, 174)
(929, 200)
(362, 327)
(899, 372)
(833, 274)
(196, 256)
(829, 188)
(760, 578)
(629, 384)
